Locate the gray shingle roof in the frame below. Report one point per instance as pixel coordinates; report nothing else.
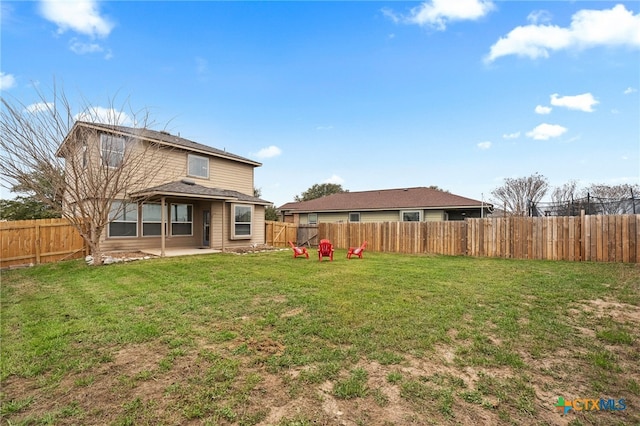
(168, 139)
(384, 199)
(185, 187)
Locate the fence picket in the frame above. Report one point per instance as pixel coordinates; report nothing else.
(39, 241)
(574, 238)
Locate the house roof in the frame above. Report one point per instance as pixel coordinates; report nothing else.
(188, 188)
(162, 138)
(384, 199)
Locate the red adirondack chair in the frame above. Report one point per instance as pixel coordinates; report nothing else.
(298, 251)
(356, 251)
(325, 249)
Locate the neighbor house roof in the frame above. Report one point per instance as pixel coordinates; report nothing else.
(162, 138)
(186, 187)
(384, 199)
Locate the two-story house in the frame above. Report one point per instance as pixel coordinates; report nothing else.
(197, 196)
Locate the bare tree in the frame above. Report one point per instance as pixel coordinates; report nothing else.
(562, 198)
(47, 151)
(521, 195)
(612, 199)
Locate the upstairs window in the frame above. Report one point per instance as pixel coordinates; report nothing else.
(112, 150)
(242, 216)
(198, 166)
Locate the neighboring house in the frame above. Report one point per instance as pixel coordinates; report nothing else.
(388, 205)
(200, 197)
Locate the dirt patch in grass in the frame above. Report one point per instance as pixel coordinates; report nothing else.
(620, 312)
(239, 381)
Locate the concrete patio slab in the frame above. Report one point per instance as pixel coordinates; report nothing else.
(187, 251)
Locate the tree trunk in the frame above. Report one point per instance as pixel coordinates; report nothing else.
(94, 246)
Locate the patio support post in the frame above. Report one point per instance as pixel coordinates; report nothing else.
(163, 221)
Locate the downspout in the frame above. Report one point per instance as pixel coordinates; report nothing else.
(211, 207)
(224, 208)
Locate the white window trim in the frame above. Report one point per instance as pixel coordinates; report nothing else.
(198, 157)
(234, 236)
(143, 221)
(171, 222)
(312, 222)
(402, 212)
(354, 221)
(120, 212)
(105, 161)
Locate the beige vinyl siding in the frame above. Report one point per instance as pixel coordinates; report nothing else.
(381, 216)
(333, 217)
(223, 173)
(371, 216)
(217, 225)
(174, 168)
(434, 215)
(231, 175)
(257, 230)
(221, 231)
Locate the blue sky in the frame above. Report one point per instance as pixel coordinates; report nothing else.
(370, 95)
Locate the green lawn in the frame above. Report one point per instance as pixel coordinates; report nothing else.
(267, 339)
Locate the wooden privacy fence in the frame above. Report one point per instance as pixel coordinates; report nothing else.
(25, 242)
(278, 234)
(602, 238)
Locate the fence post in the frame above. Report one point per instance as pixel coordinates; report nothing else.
(37, 244)
(583, 235)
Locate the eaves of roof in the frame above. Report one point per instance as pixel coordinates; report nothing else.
(388, 199)
(189, 189)
(162, 138)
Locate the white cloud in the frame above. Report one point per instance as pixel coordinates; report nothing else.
(269, 152)
(484, 145)
(394, 17)
(7, 81)
(539, 16)
(39, 107)
(321, 128)
(81, 16)
(105, 116)
(584, 102)
(546, 131)
(438, 13)
(334, 179)
(589, 28)
(543, 110)
(514, 135)
(629, 90)
(82, 48)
